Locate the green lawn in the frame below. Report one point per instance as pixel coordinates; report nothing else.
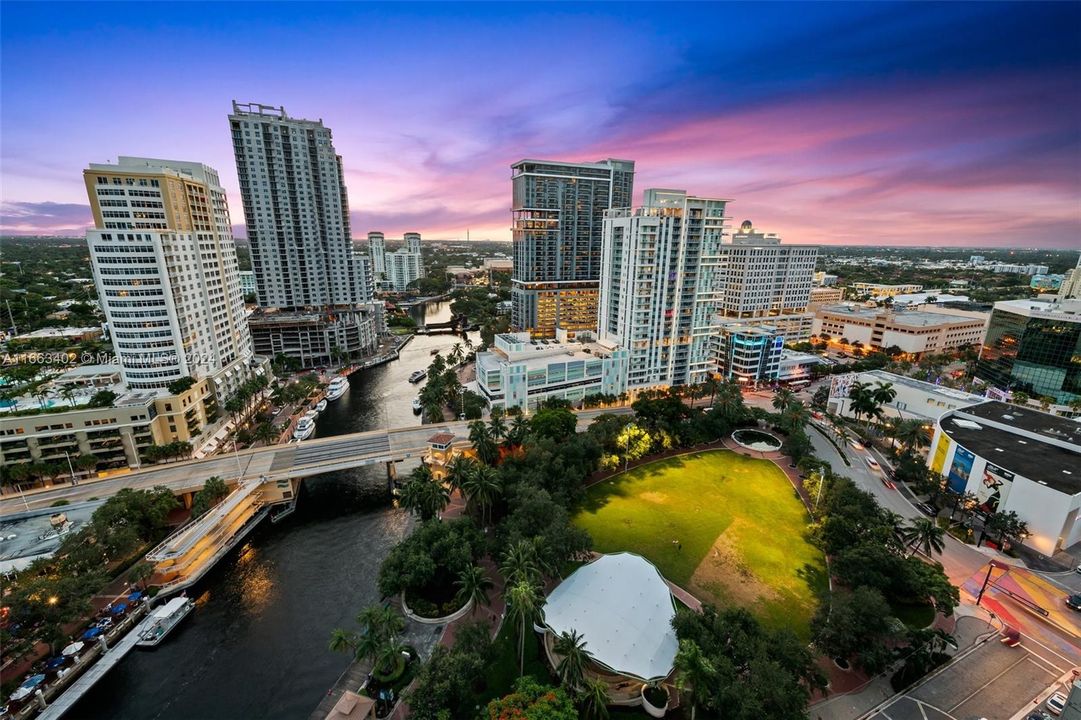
(503, 670)
(727, 527)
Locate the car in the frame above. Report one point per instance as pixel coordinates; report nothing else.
(1056, 703)
(1038, 715)
(1074, 602)
(926, 509)
(873, 464)
(855, 444)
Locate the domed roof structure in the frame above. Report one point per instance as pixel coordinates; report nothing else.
(746, 227)
(623, 608)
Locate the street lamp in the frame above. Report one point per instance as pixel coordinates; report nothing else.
(71, 469)
(236, 456)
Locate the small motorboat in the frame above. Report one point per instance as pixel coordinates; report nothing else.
(337, 387)
(418, 376)
(417, 406)
(435, 351)
(321, 405)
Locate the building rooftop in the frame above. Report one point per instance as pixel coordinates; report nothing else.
(925, 387)
(908, 318)
(1042, 447)
(1029, 307)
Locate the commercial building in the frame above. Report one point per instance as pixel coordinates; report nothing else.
(914, 400)
(557, 224)
(913, 331)
(1030, 269)
(661, 285)
(747, 352)
(825, 296)
(296, 210)
(881, 291)
(67, 334)
(523, 372)
(166, 272)
(1034, 347)
(796, 367)
(824, 279)
(1015, 460)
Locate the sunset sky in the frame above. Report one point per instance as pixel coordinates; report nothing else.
(914, 124)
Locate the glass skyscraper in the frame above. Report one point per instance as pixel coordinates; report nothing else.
(1034, 347)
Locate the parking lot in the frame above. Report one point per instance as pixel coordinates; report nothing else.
(993, 682)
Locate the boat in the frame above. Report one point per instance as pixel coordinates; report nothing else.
(164, 619)
(417, 406)
(435, 351)
(418, 376)
(321, 405)
(305, 427)
(337, 387)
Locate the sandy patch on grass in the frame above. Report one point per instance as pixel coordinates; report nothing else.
(724, 578)
(657, 498)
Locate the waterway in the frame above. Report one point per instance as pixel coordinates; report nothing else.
(256, 644)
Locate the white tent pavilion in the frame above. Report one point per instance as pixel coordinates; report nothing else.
(623, 608)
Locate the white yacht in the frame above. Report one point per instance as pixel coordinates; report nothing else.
(417, 376)
(337, 387)
(417, 406)
(305, 427)
(164, 619)
(321, 406)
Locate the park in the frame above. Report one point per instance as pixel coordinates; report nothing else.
(728, 528)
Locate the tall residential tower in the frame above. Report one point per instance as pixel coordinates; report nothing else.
(309, 282)
(165, 266)
(558, 220)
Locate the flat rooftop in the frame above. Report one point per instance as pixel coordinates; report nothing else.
(925, 387)
(908, 318)
(1043, 448)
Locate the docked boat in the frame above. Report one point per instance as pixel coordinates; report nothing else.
(417, 406)
(435, 351)
(164, 619)
(418, 376)
(337, 387)
(305, 427)
(321, 405)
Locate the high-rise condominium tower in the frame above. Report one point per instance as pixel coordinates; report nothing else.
(296, 210)
(558, 219)
(412, 242)
(165, 265)
(377, 248)
(658, 289)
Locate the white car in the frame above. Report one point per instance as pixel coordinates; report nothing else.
(873, 464)
(855, 444)
(1056, 703)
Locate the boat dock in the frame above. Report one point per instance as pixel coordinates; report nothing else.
(106, 660)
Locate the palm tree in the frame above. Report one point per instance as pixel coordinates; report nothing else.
(473, 584)
(729, 401)
(341, 641)
(521, 564)
(519, 429)
(497, 427)
(911, 434)
(572, 665)
(68, 393)
(896, 525)
(694, 673)
(794, 416)
(924, 535)
(431, 402)
(593, 700)
(456, 353)
(782, 399)
(423, 495)
(266, 433)
(522, 603)
(482, 486)
(458, 471)
(487, 450)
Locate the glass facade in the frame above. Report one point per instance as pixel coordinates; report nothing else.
(1040, 356)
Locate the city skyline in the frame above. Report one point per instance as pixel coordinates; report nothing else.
(834, 127)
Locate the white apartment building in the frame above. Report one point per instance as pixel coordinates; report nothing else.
(377, 248)
(1018, 269)
(520, 372)
(247, 282)
(412, 242)
(165, 267)
(403, 267)
(879, 290)
(661, 285)
(312, 288)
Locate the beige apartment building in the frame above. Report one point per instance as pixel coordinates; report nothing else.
(825, 296)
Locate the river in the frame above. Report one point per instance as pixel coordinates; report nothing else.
(256, 644)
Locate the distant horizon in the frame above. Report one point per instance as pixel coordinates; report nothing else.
(830, 126)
